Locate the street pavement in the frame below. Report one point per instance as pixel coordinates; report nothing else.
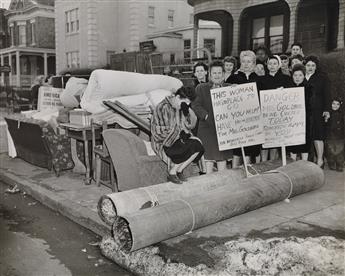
(317, 213)
(38, 241)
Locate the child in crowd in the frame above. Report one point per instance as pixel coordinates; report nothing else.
(298, 80)
(260, 68)
(230, 67)
(273, 80)
(297, 59)
(285, 65)
(296, 49)
(335, 137)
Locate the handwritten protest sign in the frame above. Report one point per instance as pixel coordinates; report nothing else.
(283, 113)
(49, 97)
(237, 116)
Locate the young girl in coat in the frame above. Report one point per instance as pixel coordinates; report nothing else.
(335, 136)
(298, 80)
(273, 80)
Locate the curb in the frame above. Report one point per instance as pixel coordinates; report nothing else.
(79, 214)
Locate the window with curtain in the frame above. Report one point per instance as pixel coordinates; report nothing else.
(210, 44)
(171, 18)
(22, 34)
(72, 21)
(151, 16)
(268, 31)
(73, 59)
(33, 36)
(186, 47)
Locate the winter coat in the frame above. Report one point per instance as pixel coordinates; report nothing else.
(335, 125)
(202, 106)
(166, 125)
(319, 102)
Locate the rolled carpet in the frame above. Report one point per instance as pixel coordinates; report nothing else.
(142, 228)
(117, 204)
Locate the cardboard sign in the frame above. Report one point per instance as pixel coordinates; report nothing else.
(283, 112)
(49, 97)
(237, 116)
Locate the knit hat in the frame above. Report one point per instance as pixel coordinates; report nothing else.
(276, 57)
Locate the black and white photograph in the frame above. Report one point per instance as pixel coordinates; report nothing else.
(172, 137)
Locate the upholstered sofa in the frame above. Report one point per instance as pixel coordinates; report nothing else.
(134, 167)
(36, 142)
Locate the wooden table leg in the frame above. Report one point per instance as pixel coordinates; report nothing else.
(78, 165)
(87, 180)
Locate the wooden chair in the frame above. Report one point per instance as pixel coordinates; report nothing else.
(101, 162)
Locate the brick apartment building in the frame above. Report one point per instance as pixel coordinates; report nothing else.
(317, 24)
(30, 48)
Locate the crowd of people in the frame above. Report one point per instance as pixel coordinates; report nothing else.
(184, 129)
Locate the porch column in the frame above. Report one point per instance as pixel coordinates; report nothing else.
(340, 42)
(18, 69)
(2, 74)
(236, 34)
(45, 57)
(10, 64)
(195, 37)
(293, 22)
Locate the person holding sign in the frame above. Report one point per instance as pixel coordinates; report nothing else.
(298, 80)
(246, 74)
(171, 126)
(273, 80)
(207, 127)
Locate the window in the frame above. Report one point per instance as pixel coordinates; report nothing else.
(151, 16)
(210, 44)
(22, 34)
(72, 59)
(33, 36)
(11, 27)
(268, 31)
(171, 18)
(72, 21)
(172, 58)
(187, 46)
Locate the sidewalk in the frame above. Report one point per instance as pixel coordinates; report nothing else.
(318, 213)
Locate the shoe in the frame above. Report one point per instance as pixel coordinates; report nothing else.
(174, 179)
(181, 176)
(202, 173)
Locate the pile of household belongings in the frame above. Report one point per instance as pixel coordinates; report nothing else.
(140, 93)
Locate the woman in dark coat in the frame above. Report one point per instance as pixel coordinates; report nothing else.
(246, 74)
(320, 103)
(202, 107)
(298, 80)
(273, 80)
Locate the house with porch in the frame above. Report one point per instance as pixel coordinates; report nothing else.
(31, 48)
(317, 24)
